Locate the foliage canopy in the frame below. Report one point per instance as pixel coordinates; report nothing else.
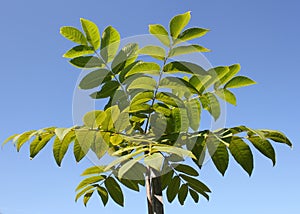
(151, 120)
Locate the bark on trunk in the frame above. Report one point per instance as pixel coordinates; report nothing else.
(154, 192)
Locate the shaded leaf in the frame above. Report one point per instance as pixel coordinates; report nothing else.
(184, 67)
(173, 188)
(242, 154)
(107, 90)
(94, 79)
(114, 190)
(185, 169)
(264, 146)
(182, 193)
(87, 62)
(211, 104)
(194, 195)
(218, 152)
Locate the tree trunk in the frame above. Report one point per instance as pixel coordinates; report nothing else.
(154, 192)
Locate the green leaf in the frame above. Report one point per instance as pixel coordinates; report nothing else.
(191, 33)
(131, 184)
(60, 147)
(94, 119)
(82, 192)
(199, 82)
(178, 22)
(194, 195)
(102, 192)
(167, 175)
(194, 113)
(108, 89)
(153, 51)
(73, 34)
(95, 79)
(87, 62)
(210, 103)
(233, 70)
(22, 139)
(177, 83)
(172, 150)
(169, 99)
(185, 169)
(226, 95)
(162, 108)
(78, 152)
(264, 146)
(173, 188)
(10, 138)
(188, 49)
(100, 144)
(122, 122)
(154, 161)
(39, 143)
(110, 42)
(144, 68)
(78, 51)
(144, 82)
(85, 139)
(239, 81)
(89, 181)
(181, 120)
(242, 154)
(92, 33)
(196, 185)
(276, 136)
(142, 97)
(114, 190)
(127, 166)
(184, 67)
(93, 170)
(87, 197)
(218, 152)
(160, 33)
(124, 158)
(126, 56)
(182, 193)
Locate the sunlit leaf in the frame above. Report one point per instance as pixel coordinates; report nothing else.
(161, 33)
(110, 42)
(92, 32)
(73, 34)
(178, 22)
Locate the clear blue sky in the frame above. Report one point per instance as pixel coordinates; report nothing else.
(36, 88)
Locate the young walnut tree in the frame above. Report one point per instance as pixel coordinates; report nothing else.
(150, 122)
